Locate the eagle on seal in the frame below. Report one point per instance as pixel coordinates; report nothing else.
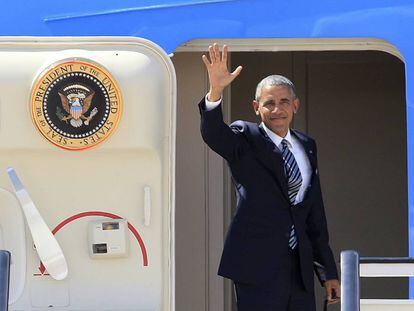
(76, 100)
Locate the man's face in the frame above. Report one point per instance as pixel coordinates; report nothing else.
(276, 108)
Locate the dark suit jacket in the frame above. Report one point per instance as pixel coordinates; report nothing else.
(259, 232)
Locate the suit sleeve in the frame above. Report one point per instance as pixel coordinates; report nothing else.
(317, 230)
(226, 140)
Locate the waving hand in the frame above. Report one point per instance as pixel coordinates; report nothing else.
(218, 73)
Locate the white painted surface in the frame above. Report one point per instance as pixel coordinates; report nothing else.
(294, 44)
(108, 178)
(386, 269)
(386, 305)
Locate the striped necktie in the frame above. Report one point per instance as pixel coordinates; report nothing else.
(294, 179)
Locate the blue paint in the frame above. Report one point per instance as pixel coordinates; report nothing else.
(171, 23)
(145, 7)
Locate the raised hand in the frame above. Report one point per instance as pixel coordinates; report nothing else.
(218, 73)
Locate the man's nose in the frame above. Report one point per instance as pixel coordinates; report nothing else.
(276, 109)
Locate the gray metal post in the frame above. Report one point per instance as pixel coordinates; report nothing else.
(4, 279)
(350, 293)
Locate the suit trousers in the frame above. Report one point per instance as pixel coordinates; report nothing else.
(285, 292)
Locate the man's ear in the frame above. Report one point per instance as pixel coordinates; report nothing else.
(256, 107)
(296, 105)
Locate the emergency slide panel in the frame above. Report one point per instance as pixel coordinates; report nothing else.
(87, 135)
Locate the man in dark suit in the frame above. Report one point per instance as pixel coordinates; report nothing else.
(279, 228)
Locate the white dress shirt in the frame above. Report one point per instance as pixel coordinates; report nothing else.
(294, 146)
(211, 105)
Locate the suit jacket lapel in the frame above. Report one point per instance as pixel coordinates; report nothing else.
(270, 156)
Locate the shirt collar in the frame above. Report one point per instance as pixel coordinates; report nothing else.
(276, 139)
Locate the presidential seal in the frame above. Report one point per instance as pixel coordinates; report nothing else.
(75, 104)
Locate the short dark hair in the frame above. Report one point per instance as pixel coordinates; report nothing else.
(274, 80)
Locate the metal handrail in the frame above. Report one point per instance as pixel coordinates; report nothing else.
(350, 285)
(353, 267)
(4, 279)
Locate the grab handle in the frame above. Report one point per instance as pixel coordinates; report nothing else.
(147, 206)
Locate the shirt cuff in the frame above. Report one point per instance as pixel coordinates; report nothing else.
(211, 105)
